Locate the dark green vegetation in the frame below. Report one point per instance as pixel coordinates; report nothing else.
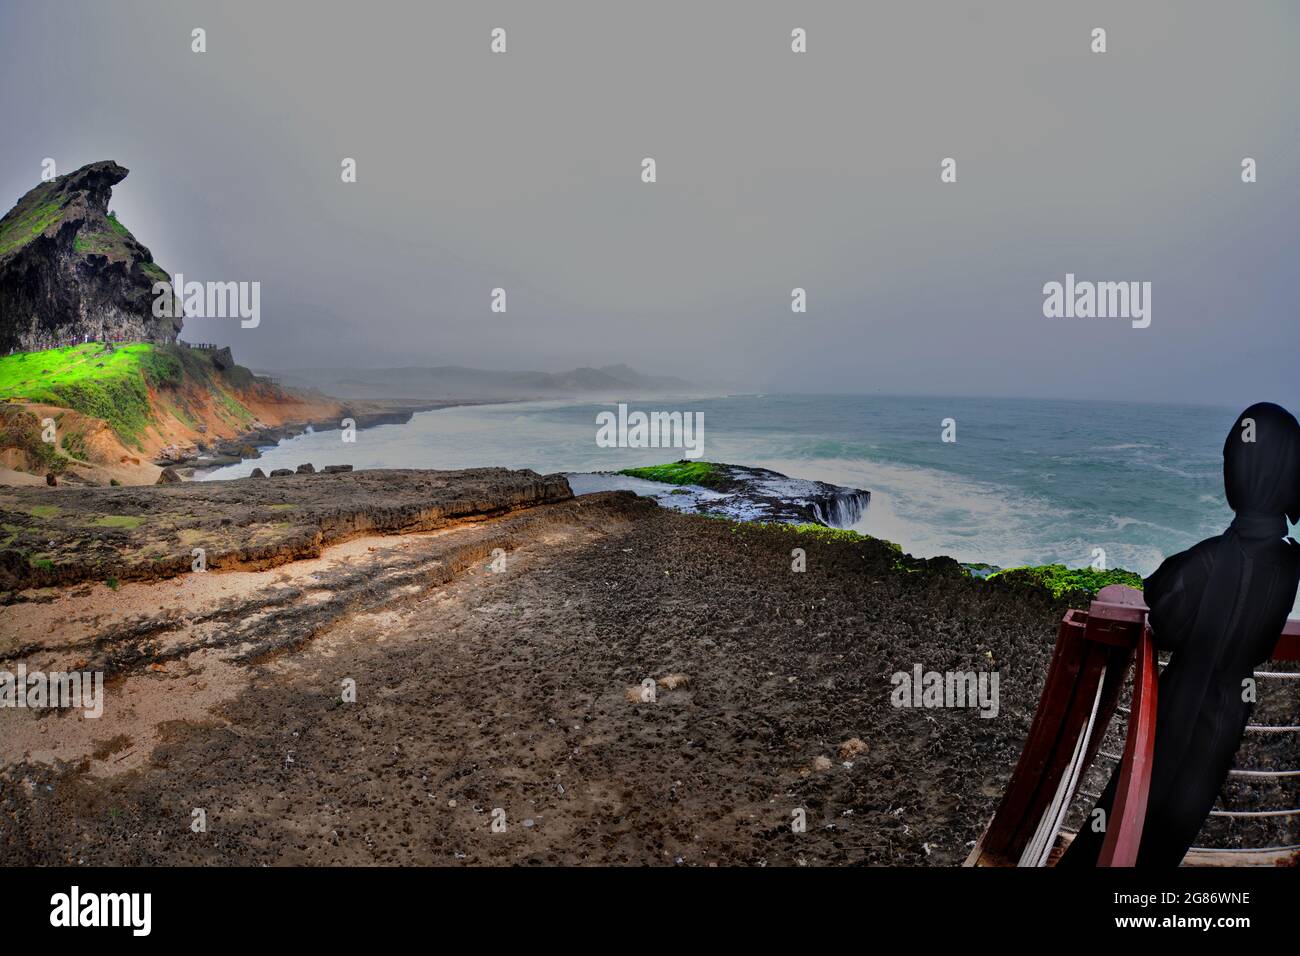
(702, 473)
(22, 430)
(74, 443)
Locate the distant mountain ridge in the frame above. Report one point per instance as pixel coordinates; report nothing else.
(455, 381)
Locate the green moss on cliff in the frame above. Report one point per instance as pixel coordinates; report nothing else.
(114, 243)
(1065, 582)
(824, 533)
(24, 228)
(1072, 584)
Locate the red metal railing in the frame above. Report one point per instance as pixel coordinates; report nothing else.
(1092, 658)
(1124, 833)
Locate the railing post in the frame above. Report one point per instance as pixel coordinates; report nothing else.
(1124, 828)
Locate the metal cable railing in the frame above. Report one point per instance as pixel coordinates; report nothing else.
(1105, 657)
(1260, 775)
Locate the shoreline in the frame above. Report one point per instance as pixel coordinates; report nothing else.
(784, 501)
(366, 413)
(959, 500)
(894, 513)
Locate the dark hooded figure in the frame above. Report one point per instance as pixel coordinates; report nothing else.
(1218, 608)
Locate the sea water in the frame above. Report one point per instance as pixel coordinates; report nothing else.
(1025, 481)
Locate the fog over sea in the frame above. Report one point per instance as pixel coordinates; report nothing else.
(1026, 482)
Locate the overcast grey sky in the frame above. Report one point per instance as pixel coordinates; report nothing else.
(775, 170)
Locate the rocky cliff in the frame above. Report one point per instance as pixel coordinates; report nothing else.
(69, 270)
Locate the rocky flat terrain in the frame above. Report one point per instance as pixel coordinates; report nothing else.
(380, 666)
(123, 534)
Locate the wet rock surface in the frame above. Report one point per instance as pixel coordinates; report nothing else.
(743, 493)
